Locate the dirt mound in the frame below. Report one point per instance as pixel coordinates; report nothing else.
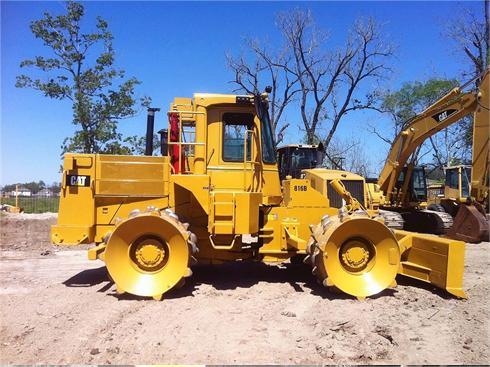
(26, 231)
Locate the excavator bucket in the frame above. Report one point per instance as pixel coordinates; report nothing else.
(469, 225)
(431, 259)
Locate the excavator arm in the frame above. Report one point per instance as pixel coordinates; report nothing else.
(447, 110)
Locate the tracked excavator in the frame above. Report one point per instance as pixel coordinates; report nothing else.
(404, 185)
(215, 196)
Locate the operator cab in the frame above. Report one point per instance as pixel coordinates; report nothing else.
(417, 187)
(457, 182)
(294, 158)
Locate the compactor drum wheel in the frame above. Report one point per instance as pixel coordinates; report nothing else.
(359, 255)
(149, 253)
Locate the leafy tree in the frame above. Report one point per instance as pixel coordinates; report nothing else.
(55, 187)
(83, 65)
(35, 187)
(411, 99)
(8, 188)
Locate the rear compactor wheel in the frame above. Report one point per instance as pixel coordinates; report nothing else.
(358, 255)
(150, 253)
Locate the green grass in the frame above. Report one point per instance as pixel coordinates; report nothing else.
(35, 204)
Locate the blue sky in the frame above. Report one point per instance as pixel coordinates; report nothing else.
(179, 48)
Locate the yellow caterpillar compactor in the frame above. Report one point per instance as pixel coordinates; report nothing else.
(215, 195)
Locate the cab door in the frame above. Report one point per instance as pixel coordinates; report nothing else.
(233, 167)
(233, 159)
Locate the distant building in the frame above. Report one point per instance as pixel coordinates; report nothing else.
(21, 191)
(44, 193)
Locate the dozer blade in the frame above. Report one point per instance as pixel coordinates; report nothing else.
(469, 225)
(432, 259)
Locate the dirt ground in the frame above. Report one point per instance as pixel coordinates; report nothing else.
(56, 307)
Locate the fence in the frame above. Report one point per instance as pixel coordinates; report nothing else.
(34, 204)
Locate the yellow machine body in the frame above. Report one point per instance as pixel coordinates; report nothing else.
(215, 196)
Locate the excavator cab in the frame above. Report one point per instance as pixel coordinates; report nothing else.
(470, 222)
(413, 191)
(457, 181)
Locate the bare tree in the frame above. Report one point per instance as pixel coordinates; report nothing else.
(330, 80)
(449, 146)
(348, 154)
(471, 33)
(267, 69)
(325, 83)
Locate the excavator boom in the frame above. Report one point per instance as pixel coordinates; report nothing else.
(481, 146)
(447, 110)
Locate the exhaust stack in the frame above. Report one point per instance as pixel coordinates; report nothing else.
(163, 142)
(150, 123)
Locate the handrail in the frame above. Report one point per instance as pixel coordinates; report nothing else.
(245, 153)
(183, 116)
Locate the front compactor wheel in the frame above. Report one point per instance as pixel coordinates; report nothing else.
(359, 256)
(149, 253)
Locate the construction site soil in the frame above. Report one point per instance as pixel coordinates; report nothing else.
(57, 307)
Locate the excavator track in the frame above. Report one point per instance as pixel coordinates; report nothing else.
(356, 254)
(150, 253)
(427, 221)
(393, 220)
(446, 219)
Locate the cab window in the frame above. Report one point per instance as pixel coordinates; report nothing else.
(452, 179)
(237, 136)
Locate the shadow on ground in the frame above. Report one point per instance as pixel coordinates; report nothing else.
(91, 278)
(244, 274)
